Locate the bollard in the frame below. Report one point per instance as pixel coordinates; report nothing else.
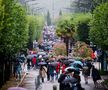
(54, 87)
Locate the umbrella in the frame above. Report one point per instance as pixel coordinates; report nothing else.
(16, 88)
(78, 62)
(31, 56)
(70, 80)
(72, 69)
(71, 60)
(21, 58)
(53, 63)
(41, 53)
(42, 63)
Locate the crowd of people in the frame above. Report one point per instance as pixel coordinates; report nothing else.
(68, 76)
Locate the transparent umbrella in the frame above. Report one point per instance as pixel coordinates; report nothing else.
(42, 63)
(16, 88)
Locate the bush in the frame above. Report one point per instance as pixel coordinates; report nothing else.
(103, 72)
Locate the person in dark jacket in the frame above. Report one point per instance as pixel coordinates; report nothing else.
(60, 80)
(95, 75)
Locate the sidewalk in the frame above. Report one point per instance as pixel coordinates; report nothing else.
(29, 81)
(11, 83)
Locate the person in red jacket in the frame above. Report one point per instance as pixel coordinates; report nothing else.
(57, 70)
(93, 56)
(63, 68)
(34, 62)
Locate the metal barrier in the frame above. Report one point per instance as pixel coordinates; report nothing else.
(37, 82)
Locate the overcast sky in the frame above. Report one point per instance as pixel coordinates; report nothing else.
(54, 6)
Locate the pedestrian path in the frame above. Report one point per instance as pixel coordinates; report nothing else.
(90, 86)
(49, 85)
(29, 81)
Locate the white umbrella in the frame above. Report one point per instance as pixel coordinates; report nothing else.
(31, 56)
(41, 53)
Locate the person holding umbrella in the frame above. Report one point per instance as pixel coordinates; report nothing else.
(18, 70)
(57, 70)
(34, 62)
(42, 72)
(62, 86)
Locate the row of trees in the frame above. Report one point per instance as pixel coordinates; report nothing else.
(17, 29)
(86, 5)
(87, 27)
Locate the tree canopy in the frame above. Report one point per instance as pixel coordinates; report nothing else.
(99, 26)
(13, 33)
(35, 24)
(81, 22)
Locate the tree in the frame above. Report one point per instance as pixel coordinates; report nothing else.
(60, 13)
(65, 30)
(13, 35)
(99, 25)
(35, 24)
(48, 18)
(82, 5)
(99, 30)
(81, 22)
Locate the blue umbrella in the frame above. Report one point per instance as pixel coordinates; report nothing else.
(77, 62)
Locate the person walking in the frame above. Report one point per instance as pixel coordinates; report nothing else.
(86, 73)
(42, 72)
(57, 70)
(18, 70)
(95, 75)
(63, 68)
(34, 62)
(28, 64)
(62, 77)
(51, 71)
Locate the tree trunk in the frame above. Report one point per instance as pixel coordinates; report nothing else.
(66, 41)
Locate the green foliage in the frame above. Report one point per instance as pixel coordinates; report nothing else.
(65, 29)
(81, 22)
(82, 5)
(99, 26)
(13, 33)
(35, 24)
